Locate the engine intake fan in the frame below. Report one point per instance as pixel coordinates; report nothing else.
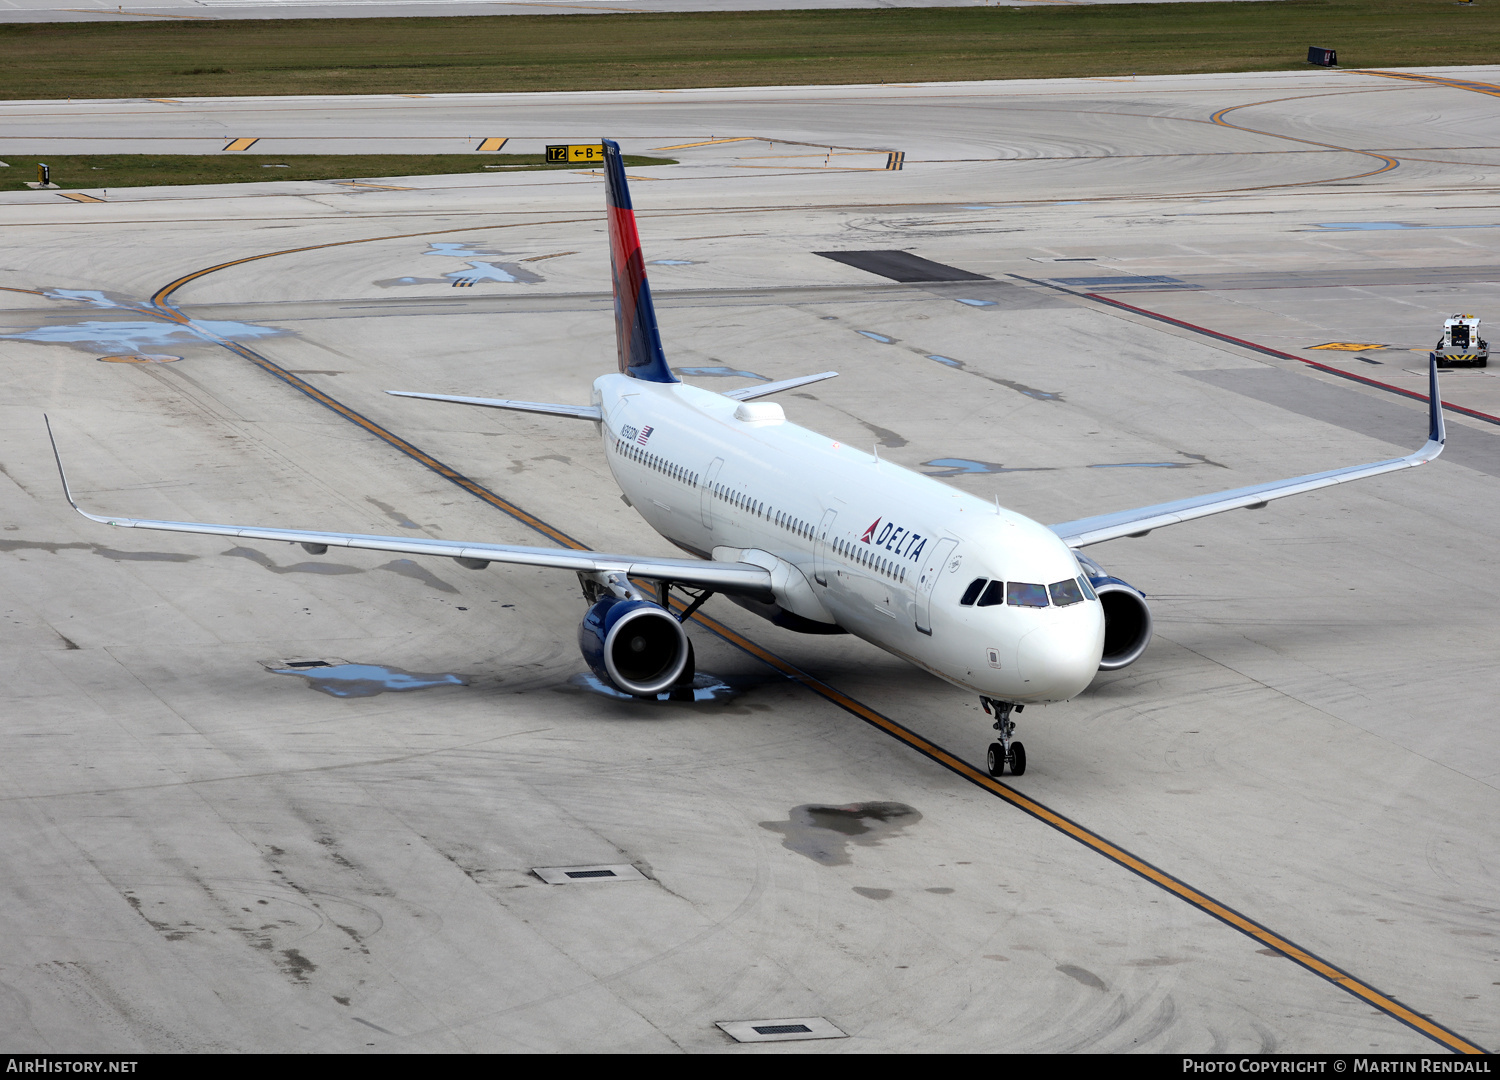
(1127, 617)
(635, 646)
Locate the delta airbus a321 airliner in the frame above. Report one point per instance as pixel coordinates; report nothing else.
(819, 537)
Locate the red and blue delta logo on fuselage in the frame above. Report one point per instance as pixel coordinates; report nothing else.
(898, 540)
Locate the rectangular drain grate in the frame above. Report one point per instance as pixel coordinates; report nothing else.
(785, 1030)
(301, 663)
(568, 875)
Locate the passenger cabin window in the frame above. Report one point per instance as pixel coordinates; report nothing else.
(1065, 593)
(994, 593)
(1025, 594)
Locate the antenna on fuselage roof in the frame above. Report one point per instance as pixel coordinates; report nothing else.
(997, 502)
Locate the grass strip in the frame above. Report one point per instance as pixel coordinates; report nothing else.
(205, 57)
(93, 171)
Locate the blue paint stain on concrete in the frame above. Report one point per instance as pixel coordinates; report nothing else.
(722, 371)
(123, 336)
(975, 303)
(89, 296)
(367, 680)
(1121, 279)
(949, 466)
(479, 268)
(482, 271)
(672, 262)
(468, 249)
(1145, 465)
(873, 336)
(946, 360)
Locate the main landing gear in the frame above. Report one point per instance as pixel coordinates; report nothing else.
(1007, 751)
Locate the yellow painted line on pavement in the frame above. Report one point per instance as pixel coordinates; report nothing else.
(1435, 80)
(709, 142)
(241, 144)
(77, 196)
(381, 187)
(1218, 119)
(1099, 844)
(491, 144)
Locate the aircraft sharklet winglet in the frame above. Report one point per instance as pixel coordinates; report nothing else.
(1137, 522)
(577, 412)
(62, 475)
(750, 393)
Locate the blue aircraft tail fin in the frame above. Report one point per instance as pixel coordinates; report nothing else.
(636, 335)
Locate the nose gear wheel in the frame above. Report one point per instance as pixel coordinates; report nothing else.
(1008, 751)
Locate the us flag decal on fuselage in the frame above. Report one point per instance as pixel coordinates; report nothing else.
(644, 435)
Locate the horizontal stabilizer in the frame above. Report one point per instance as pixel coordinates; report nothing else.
(577, 412)
(748, 393)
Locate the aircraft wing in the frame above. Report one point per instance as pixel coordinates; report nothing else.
(577, 412)
(1138, 522)
(736, 577)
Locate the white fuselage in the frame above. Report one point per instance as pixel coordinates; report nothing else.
(884, 553)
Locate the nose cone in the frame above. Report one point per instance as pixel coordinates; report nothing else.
(1058, 662)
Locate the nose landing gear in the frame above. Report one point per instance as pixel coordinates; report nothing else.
(1008, 751)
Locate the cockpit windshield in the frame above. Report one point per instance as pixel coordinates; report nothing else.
(983, 592)
(1025, 594)
(1065, 592)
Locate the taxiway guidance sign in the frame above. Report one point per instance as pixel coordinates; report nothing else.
(592, 154)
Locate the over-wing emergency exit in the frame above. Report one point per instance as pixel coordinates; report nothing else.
(818, 537)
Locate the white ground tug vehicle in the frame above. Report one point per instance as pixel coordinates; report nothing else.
(1461, 343)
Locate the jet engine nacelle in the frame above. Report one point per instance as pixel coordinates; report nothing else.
(635, 646)
(1127, 618)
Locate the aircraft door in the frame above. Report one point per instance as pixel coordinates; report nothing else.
(820, 548)
(931, 568)
(707, 493)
